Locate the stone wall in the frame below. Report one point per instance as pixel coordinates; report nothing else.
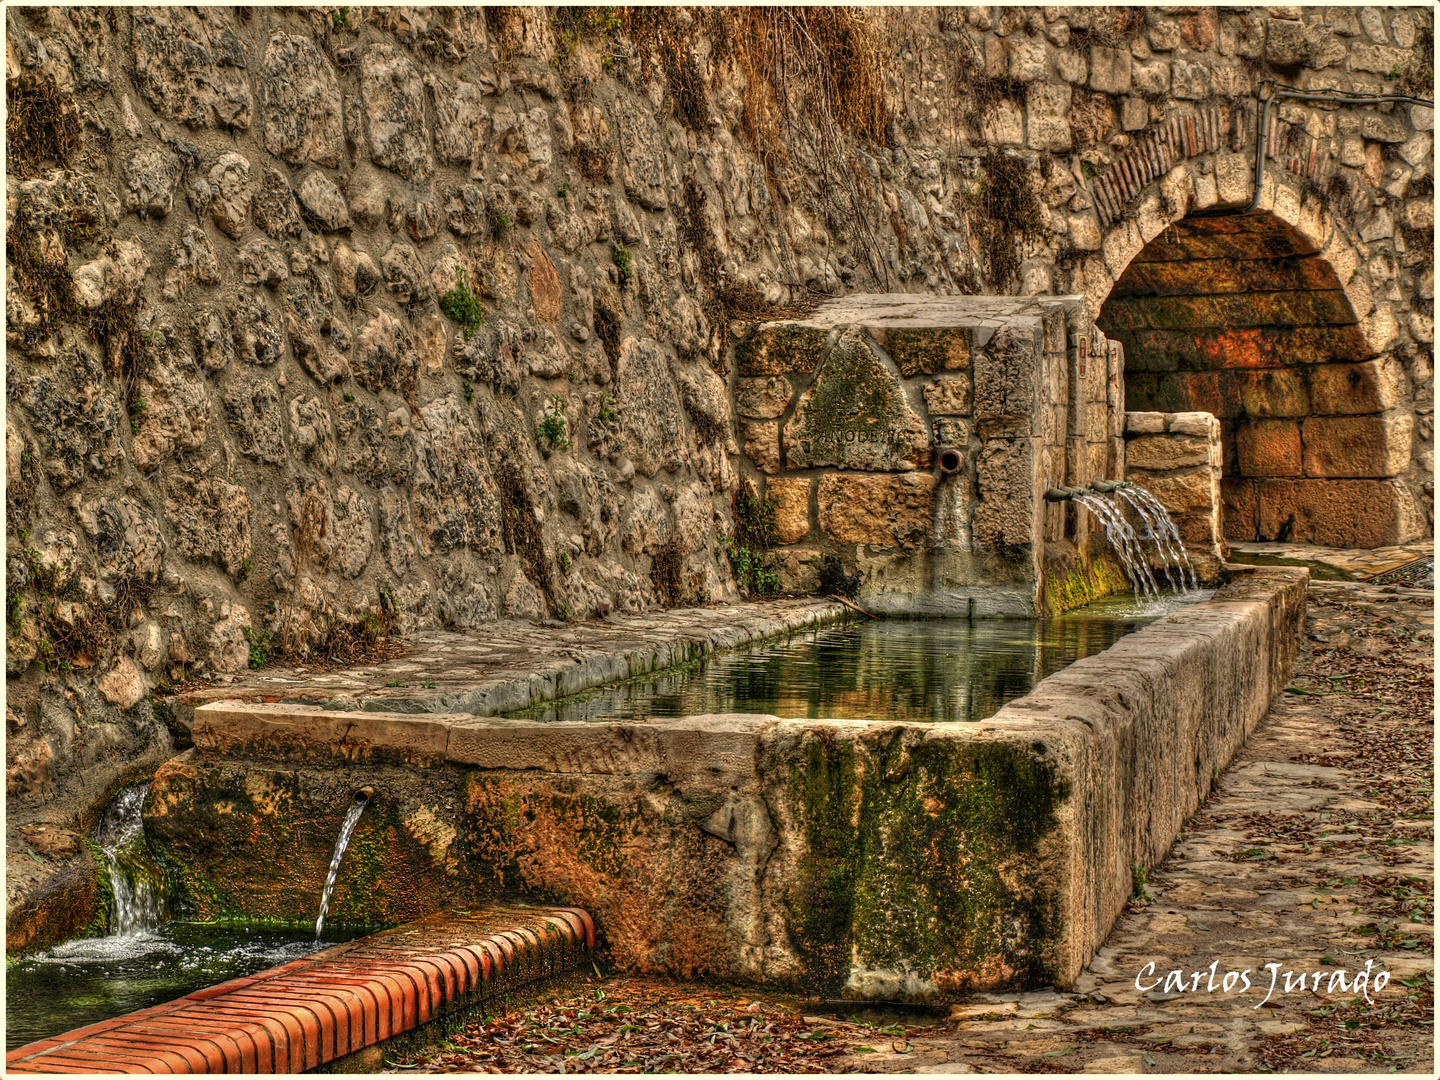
(250, 403)
(1177, 458)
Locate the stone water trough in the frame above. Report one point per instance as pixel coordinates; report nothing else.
(865, 858)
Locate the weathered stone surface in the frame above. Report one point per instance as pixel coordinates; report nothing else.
(763, 398)
(127, 538)
(323, 203)
(274, 207)
(405, 274)
(1004, 472)
(1160, 453)
(761, 440)
(1144, 423)
(642, 159)
(926, 351)
(461, 120)
(150, 177)
(118, 271)
(546, 292)
(231, 193)
(189, 66)
(123, 685)
(1344, 389)
(192, 259)
(385, 356)
(792, 507)
(176, 412)
(948, 396)
(262, 263)
(1269, 448)
(651, 414)
(393, 94)
(1369, 446)
(1006, 392)
(211, 521)
(879, 511)
(258, 338)
(253, 412)
(855, 415)
(781, 348)
(300, 102)
(1336, 513)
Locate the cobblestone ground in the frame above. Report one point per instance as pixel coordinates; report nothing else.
(1314, 853)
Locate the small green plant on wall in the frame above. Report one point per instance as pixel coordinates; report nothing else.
(624, 265)
(755, 535)
(461, 305)
(553, 430)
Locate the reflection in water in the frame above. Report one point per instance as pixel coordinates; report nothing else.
(92, 979)
(921, 670)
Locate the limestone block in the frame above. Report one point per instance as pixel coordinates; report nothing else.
(856, 415)
(1189, 81)
(951, 431)
(1347, 389)
(1161, 452)
(1006, 378)
(229, 180)
(150, 176)
(1003, 123)
(189, 65)
(123, 685)
(1285, 45)
(300, 102)
(1234, 178)
(546, 292)
(1199, 424)
(1151, 76)
(324, 203)
(762, 445)
(392, 92)
(462, 122)
(1144, 423)
(926, 351)
(1027, 56)
(799, 569)
(780, 348)
(948, 396)
(1005, 472)
(1280, 392)
(1047, 116)
(1269, 448)
(1109, 70)
(763, 398)
(792, 507)
(879, 511)
(1184, 493)
(1358, 446)
(1338, 513)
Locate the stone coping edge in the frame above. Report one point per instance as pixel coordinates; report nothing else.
(322, 1007)
(490, 694)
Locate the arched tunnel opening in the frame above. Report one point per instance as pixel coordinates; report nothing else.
(1243, 317)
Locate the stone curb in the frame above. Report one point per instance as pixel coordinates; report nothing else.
(311, 1011)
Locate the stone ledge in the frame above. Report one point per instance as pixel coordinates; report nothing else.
(311, 1011)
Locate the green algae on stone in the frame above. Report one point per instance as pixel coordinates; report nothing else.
(926, 350)
(780, 349)
(1072, 582)
(928, 865)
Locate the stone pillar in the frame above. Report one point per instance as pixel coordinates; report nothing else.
(1177, 458)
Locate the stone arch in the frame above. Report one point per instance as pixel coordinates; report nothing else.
(1266, 323)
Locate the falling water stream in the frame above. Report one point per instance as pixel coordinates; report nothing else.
(1124, 541)
(1159, 529)
(352, 817)
(137, 889)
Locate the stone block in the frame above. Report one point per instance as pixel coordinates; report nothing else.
(1006, 476)
(791, 496)
(856, 415)
(1240, 501)
(1234, 178)
(762, 445)
(1348, 389)
(1186, 493)
(1110, 70)
(951, 431)
(1338, 513)
(779, 348)
(1285, 45)
(948, 396)
(1200, 424)
(1162, 452)
(879, 511)
(926, 350)
(799, 570)
(1358, 446)
(1277, 392)
(763, 398)
(1144, 423)
(1006, 390)
(1269, 448)
(1047, 116)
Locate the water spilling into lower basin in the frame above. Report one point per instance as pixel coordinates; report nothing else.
(352, 818)
(916, 670)
(137, 887)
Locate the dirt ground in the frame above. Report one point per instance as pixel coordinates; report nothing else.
(1313, 855)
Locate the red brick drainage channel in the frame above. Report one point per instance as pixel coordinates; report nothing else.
(312, 1011)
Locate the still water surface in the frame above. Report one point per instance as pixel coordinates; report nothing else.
(895, 669)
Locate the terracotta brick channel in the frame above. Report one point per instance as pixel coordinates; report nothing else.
(332, 1003)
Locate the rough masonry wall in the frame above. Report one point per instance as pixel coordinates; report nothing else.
(235, 407)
